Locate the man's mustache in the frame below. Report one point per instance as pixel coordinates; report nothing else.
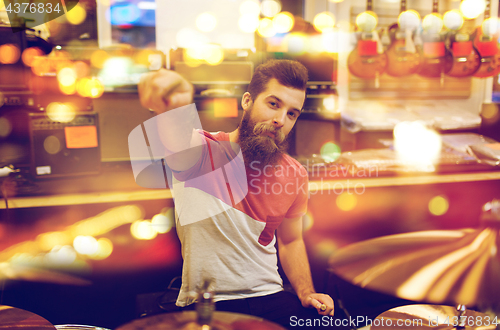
(262, 128)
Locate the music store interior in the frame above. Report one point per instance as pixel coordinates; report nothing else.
(399, 134)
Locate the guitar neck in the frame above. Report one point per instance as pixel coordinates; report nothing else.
(487, 9)
(403, 6)
(369, 5)
(435, 7)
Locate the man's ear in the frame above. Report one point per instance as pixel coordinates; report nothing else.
(246, 101)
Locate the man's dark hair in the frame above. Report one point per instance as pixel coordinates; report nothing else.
(288, 73)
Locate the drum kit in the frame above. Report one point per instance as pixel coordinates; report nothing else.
(187, 320)
(440, 267)
(16, 318)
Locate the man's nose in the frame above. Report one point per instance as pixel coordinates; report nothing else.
(279, 118)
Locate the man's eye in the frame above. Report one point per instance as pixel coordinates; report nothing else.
(273, 104)
(292, 114)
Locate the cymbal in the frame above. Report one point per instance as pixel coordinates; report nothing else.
(187, 321)
(77, 327)
(441, 266)
(16, 318)
(426, 317)
(37, 274)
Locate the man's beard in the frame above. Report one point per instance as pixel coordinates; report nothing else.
(258, 148)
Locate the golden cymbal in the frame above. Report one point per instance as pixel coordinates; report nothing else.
(426, 317)
(442, 266)
(16, 318)
(187, 321)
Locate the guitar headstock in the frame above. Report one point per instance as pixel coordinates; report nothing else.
(490, 28)
(367, 21)
(409, 20)
(453, 20)
(433, 23)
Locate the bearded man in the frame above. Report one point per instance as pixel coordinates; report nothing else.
(228, 240)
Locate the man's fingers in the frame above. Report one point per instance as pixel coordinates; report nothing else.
(318, 305)
(321, 307)
(163, 90)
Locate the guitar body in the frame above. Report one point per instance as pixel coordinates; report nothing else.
(366, 64)
(401, 62)
(489, 67)
(464, 65)
(490, 58)
(465, 59)
(436, 59)
(435, 67)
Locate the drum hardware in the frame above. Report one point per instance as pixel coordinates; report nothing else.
(188, 320)
(77, 327)
(204, 316)
(455, 267)
(205, 305)
(166, 301)
(433, 316)
(437, 266)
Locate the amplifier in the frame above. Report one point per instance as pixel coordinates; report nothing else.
(61, 149)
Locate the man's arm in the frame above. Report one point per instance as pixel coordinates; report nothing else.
(293, 258)
(168, 94)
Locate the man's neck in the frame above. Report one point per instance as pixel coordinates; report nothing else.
(234, 136)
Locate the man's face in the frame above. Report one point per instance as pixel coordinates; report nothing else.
(268, 120)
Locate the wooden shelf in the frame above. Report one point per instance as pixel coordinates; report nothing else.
(315, 186)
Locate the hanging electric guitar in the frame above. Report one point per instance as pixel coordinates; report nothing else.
(403, 56)
(487, 46)
(436, 60)
(465, 59)
(367, 60)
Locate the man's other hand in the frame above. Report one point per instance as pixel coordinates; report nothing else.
(322, 302)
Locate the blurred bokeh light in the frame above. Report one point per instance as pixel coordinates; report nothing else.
(104, 249)
(489, 27)
(329, 103)
(409, 20)
(471, 9)
(61, 112)
(85, 245)
(248, 23)
(9, 54)
(163, 221)
(438, 205)
(417, 145)
(269, 8)
(366, 21)
(206, 22)
(143, 230)
(324, 21)
(283, 22)
(76, 15)
(433, 23)
(266, 28)
(250, 7)
(29, 55)
(453, 19)
(346, 201)
(330, 151)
